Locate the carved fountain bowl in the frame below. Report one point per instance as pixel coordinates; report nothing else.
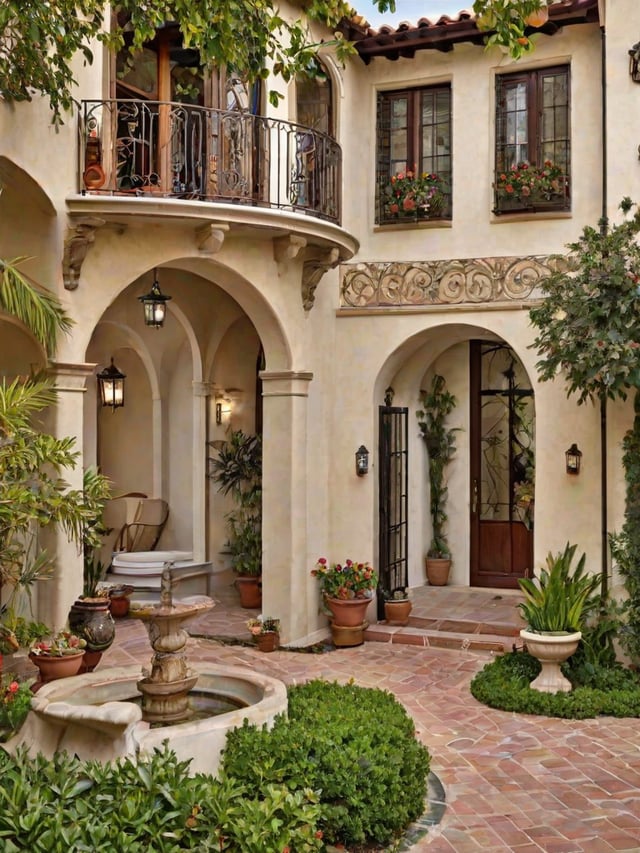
(97, 715)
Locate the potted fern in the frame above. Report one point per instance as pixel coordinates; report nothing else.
(556, 605)
(437, 404)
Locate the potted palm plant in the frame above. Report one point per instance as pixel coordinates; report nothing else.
(237, 469)
(437, 404)
(556, 604)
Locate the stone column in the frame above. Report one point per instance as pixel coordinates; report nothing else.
(65, 418)
(284, 500)
(201, 393)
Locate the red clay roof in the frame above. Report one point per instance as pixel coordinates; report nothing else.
(445, 32)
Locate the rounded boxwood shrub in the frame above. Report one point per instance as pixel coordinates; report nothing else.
(504, 684)
(354, 746)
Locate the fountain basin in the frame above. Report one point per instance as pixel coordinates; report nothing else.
(94, 716)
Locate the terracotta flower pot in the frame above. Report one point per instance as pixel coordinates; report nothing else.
(250, 589)
(57, 666)
(348, 612)
(397, 612)
(119, 606)
(437, 570)
(268, 642)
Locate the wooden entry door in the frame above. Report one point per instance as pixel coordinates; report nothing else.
(502, 457)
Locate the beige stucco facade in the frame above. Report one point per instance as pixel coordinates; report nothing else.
(241, 277)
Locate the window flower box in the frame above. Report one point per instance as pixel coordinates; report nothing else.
(408, 197)
(532, 189)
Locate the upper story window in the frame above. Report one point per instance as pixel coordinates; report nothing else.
(533, 144)
(414, 155)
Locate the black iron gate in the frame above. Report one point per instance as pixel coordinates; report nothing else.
(392, 490)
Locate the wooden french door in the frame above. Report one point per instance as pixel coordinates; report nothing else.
(502, 453)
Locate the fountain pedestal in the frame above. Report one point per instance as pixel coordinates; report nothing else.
(165, 688)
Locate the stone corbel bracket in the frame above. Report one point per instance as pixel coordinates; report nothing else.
(317, 261)
(79, 237)
(210, 237)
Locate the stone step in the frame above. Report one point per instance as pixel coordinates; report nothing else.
(444, 639)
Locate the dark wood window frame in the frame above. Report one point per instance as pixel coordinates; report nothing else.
(550, 144)
(415, 156)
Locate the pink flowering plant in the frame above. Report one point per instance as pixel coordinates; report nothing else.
(345, 580)
(413, 194)
(15, 702)
(528, 183)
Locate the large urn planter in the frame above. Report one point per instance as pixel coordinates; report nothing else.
(438, 569)
(250, 590)
(551, 649)
(348, 622)
(91, 620)
(52, 667)
(348, 612)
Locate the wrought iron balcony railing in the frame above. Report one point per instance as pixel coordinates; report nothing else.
(175, 150)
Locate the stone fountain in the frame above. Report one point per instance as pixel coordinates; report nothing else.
(99, 715)
(165, 688)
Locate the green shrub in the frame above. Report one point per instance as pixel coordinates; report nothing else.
(355, 746)
(65, 805)
(610, 690)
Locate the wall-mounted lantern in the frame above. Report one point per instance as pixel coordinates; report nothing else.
(111, 386)
(155, 305)
(362, 461)
(573, 457)
(634, 62)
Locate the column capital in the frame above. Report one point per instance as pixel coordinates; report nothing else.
(285, 383)
(70, 377)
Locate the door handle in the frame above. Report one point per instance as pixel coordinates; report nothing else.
(474, 500)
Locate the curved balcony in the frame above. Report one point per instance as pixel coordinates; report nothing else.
(178, 151)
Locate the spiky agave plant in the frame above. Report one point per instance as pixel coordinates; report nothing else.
(559, 599)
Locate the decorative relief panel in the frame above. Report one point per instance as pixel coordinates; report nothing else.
(451, 282)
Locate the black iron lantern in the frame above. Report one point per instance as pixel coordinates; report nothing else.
(111, 386)
(573, 456)
(634, 62)
(362, 461)
(155, 305)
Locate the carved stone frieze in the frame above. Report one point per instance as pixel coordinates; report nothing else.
(449, 282)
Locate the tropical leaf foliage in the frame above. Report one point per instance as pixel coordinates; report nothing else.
(38, 309)
(560, 598)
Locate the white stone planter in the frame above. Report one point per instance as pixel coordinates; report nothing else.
(551, 650)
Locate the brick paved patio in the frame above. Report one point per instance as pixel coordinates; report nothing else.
(511, 782)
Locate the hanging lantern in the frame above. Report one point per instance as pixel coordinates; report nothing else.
(155, 305)
(111, 386)
(573, 456)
